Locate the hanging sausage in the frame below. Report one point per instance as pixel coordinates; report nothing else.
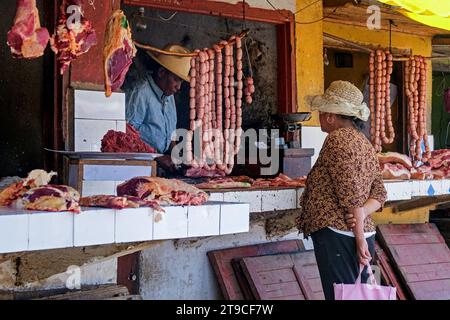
(215, 106)
(415, 82)
(380, 68)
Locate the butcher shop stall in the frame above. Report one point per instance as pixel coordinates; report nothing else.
(90, 208)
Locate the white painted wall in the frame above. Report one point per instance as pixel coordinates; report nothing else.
(313, 137)
(263, 4)
(181, 270)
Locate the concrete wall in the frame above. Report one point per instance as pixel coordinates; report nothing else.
(181, 269)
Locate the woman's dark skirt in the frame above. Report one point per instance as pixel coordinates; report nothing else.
(337, 260)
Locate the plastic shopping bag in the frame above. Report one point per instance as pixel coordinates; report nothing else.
(363, 291)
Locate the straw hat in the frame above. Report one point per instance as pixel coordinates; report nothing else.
(342, 97)
(177, 65)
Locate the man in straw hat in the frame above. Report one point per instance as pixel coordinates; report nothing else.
(150, 104)
(343, 189)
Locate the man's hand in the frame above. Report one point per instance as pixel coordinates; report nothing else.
(362, 251)
(166, 163)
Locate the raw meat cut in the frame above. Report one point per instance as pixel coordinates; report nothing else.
(394, 157)
(163, 191)
(118, 51)
(74, 38)
(114, 202)
(439, 158)
(223, 183)
(116, 141)
(281, 181)
(26, 38)
(203, 172)
(50, 198)
(35, 178)
(395, 171)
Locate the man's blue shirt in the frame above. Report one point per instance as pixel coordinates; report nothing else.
(152, 113)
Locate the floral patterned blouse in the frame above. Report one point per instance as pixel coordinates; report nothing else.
(345, 176)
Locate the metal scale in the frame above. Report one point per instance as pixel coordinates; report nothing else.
(295, 161)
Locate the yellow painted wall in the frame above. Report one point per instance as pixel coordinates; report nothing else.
(309, 45)
(309, 42)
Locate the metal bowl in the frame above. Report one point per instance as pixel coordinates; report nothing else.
(293, 117)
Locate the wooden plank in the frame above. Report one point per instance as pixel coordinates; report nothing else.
(242, 281)
(128, 272)
(221, 262)
(100, 293)
(423, 267)
(387, 271)
(293, 275)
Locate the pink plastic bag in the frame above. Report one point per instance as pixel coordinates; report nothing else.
(363, 291)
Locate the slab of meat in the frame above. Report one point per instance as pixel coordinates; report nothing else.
(393, 171)
(35, 178)
(50, 198)
(74, 38)
(223, 183)
(281, 181)
(114, 202)
(116, 141)
(26, 38)
(439, 158)
(118, 51)
(204, 172)
(163, 191)
(395, 157)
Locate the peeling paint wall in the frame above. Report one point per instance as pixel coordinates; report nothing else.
(181, 269)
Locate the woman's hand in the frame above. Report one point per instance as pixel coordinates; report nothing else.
(362, 251)
(350, 219)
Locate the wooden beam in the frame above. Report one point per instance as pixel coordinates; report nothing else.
(420, 202)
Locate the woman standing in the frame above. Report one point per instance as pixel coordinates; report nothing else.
(342, 190)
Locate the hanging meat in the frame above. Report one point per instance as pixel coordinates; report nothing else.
(415, 82)
(118, 51)
(26, 38)
(74, 34)
(215, 102)
(380, 68)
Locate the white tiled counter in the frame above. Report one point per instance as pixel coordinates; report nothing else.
(22, 230)
(288, 199)
(262, 200)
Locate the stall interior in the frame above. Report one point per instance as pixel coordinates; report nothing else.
(353, 66)
(161, 27)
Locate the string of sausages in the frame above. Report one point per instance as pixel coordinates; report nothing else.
(380, 67)
(215, 102)
(415, 80)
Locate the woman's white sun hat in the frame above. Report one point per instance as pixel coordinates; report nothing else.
(343, 98)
